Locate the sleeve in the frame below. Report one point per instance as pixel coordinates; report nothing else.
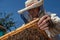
(56, 29)
(55, 18)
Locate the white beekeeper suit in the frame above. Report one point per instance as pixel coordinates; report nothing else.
(54, 17)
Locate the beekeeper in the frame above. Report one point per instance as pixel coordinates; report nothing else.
(43, 23)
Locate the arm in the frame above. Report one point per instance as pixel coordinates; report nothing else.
(55, 18)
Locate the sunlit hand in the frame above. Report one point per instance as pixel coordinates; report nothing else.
(43, 22)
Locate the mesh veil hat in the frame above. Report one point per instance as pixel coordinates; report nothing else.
(35, 3)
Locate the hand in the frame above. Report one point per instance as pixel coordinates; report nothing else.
(43, 22)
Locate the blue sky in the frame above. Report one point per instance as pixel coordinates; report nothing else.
(52, 6)
(15, 5)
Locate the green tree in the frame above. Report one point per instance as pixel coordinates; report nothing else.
(7, 21)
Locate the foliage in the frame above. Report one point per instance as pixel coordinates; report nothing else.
(6, 20)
